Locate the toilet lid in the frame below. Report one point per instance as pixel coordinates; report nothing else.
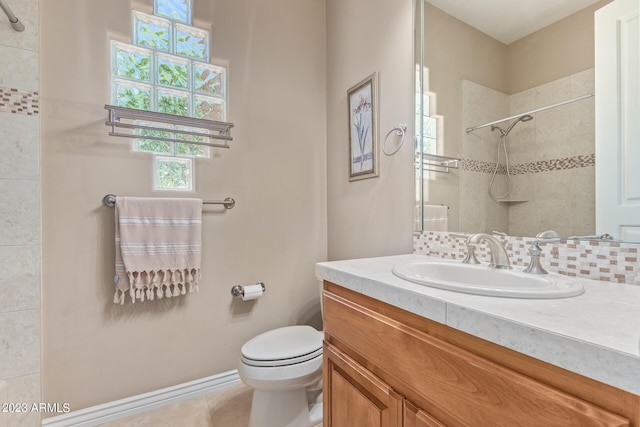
(283, 346)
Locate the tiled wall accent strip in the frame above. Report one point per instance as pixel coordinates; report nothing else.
(606, 261)
(532, 167)
(481, 166)
(554, 164)
(19, 101)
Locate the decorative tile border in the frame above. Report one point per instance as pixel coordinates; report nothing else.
(581, 161)
(605, 261)
(482, 166)
(555, 164)
(19, 101)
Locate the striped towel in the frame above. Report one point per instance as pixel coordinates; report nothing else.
(158, 247)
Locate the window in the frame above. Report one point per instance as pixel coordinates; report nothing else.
(426, 120)
(167, 69)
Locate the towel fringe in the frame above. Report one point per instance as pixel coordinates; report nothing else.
(158, 284)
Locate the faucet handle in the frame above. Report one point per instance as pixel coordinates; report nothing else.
(535, 266)
(471, 255)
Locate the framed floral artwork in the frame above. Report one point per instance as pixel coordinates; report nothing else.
(363, 129)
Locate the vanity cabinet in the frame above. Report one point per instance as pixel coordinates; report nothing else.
(388, 367)
(358, 398)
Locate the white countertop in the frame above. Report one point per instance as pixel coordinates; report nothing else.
(596, 334)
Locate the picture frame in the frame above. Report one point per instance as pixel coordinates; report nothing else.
(363, 128)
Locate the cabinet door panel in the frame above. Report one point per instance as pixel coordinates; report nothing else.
(354, 397)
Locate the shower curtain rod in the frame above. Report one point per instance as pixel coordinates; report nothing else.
(15, 22)
(469, 130)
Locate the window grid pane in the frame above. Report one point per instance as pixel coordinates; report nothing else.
(152, 31)
(209, 79)
(172, 102)
(152, 145)
(132, 95)
(210, 108)
(131, 62)
(179, 10)
(167, 69)
(172, 173)
(192, 42)
(173, 71)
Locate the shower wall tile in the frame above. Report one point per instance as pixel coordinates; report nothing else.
(553, 125)
(584, 145)
(19, 212)
(522, 102)
(19, 68)
(583, 117)
(551, 158)
(550, 148)
(19, 343)
(481, 105)
(20, 281)
(27, 12)
(553, 92)
(583, 83)
(19, 154)
(25, 389)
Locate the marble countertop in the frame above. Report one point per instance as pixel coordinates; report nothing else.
(596, 334)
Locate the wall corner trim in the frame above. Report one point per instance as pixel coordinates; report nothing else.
(111, 411)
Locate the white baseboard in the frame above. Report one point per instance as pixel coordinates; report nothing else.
(106, 412)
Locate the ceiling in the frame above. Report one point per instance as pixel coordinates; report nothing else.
(510, 20)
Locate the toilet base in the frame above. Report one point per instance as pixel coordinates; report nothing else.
(288, 408)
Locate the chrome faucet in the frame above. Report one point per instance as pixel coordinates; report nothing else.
(499, 256)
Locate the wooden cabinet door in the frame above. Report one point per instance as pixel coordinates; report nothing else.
(460, 387)
(414, 417)
(354, 397)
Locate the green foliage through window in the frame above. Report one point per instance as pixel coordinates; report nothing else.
(166, 69)
(173, 174)
(173, 73)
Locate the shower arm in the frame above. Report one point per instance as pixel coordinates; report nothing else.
(537, 110)
(13, 19)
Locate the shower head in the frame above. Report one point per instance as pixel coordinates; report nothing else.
(504, 133)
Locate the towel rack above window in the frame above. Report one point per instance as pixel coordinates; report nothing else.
(110, 201)
(153, 125)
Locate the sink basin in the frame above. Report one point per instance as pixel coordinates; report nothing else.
(484, 280)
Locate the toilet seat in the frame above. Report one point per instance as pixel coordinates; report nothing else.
(284, 346)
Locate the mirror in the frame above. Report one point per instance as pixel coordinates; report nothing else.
(466, 79)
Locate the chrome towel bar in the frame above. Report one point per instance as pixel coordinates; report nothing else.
(110, 201)
(199, 130)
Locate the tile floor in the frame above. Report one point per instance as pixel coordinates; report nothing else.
(225, 408)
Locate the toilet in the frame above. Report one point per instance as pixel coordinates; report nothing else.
(284, 367)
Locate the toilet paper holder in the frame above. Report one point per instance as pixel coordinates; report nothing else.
(238, 290)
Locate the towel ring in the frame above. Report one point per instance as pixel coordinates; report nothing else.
(401, 129)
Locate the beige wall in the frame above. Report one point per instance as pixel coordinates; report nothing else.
(95, 351)
(556, 51)
(20, 307)
(373, 216)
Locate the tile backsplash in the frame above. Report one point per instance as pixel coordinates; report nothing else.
(597, 260)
